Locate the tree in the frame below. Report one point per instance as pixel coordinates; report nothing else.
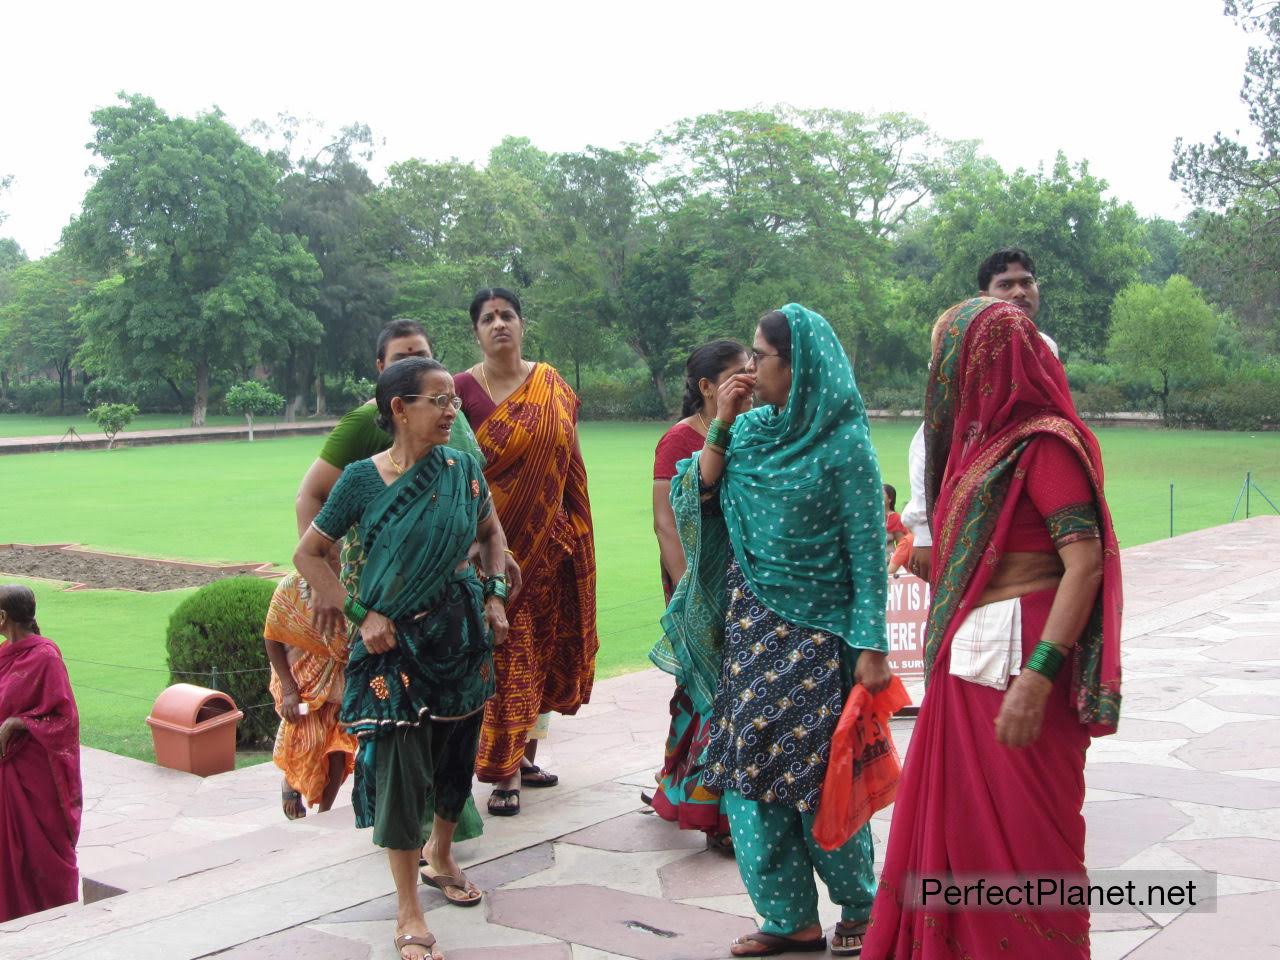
(1086, 247)
(1164, 333)
(327, 201)
(111, 418)
(38, 316)
(182, 208)
(1235, 252)
(11, 256)
(252, 399)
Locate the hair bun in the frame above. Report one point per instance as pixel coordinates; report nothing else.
(383, 423)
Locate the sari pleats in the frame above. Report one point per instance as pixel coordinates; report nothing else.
(539, 486)
(968, 805)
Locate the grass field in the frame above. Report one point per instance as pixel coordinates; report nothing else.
(234, 502)
(30, 425)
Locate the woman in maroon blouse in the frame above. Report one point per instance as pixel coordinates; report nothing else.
(680, 796)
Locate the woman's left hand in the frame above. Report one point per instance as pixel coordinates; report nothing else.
(10, 730)
(495, 614)
(872, 671)
(378, 633)
(514, 579)
(1022, 710)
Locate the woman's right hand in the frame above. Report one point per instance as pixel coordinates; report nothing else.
(289, 701)
(326, 617)
(495, 614)
(734, 396)
(10, 730)
(378, 633)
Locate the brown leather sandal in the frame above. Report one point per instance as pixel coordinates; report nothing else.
(845, 931)
(410, 940)
(775, 944)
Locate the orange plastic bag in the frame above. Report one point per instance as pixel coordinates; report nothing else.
(862, 774)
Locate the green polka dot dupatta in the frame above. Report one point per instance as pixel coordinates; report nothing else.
(802, 496)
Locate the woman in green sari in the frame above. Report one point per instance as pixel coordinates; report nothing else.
(780, 612)
(421, 666)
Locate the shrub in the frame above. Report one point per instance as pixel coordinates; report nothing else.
(894, 399)
(36, 396)
(623, 398)
(253, 398)
(220, 625)
(1242, 403)
(1102, 398)
(110, 390)
(111, 418)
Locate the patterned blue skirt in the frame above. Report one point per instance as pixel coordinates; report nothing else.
(776, 706)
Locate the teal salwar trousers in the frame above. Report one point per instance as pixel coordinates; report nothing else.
(777, 857)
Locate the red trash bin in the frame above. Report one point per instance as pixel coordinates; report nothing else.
(194, 729)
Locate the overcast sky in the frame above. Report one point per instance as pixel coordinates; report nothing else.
(1114, 82)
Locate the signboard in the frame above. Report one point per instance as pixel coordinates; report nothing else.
(906, 615)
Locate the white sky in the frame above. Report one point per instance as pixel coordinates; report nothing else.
(1114, 82)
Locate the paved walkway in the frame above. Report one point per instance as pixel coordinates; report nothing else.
(146, 438)
(1192, 781)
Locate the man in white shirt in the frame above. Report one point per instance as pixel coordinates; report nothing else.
(1008, 274)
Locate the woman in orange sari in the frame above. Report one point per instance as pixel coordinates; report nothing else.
(525, 418)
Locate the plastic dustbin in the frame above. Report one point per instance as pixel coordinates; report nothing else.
(194, 729)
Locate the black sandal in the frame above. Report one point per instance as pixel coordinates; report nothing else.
(504, 810)
(774, 944)
(848, 930)
(535, 776)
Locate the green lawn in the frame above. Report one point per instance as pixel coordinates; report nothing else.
(234, 502)
(30, 425)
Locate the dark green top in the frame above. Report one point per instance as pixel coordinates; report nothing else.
(358, 437)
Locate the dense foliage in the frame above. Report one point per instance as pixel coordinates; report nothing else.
(200, 260)
(220, 627)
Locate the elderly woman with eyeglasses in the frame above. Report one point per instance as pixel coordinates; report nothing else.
(421, 667)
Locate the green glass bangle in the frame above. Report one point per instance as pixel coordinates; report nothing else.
(497, 587)
(718, 434)
(1045, 659)
(355, 610)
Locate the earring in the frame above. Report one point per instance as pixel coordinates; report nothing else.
(404, 419)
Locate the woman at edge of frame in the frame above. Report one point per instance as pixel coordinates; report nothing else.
(1022, 649)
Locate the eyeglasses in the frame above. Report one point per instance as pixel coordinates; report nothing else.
(757, 356)
(441, 400)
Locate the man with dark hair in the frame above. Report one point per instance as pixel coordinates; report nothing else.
(357, 436)
(1008, 274)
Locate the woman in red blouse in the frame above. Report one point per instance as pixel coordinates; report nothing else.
(680, 797)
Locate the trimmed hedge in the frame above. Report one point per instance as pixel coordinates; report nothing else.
(1239, 404)
(629, 399)
(220, 625)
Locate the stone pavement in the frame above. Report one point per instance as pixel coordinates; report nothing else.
(179, 867)
(146, 438)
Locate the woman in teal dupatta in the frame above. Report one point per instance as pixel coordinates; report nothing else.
(421, 666)
(780, 612)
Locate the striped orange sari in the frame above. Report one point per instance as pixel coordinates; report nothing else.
(539, 485)
(302, 747)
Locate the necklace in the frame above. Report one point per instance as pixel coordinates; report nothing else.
(705, 426)
(524, 375)
(395, 463)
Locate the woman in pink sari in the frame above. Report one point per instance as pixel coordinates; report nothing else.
(1022, 650)
(40, 797)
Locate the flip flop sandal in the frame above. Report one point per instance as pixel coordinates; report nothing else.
(288, 797)
(504, 810)
(444, 883)
(409, 940)
(847, 930)
(776, 944)
(536, 777)
(720, 843)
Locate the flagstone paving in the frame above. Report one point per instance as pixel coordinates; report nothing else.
(177, 867)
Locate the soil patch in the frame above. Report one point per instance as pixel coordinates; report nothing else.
(108, 571)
